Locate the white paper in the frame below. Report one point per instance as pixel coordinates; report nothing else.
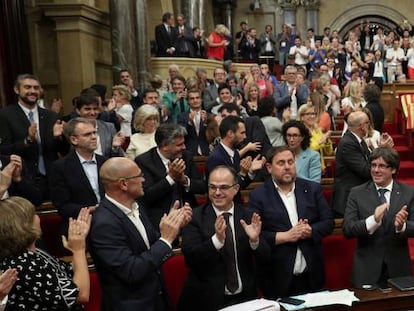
(254, 305)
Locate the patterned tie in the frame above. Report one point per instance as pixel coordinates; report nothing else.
(229, 255)
(383, 200)
(41, 163)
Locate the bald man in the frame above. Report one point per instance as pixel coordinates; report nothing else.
(125, 248)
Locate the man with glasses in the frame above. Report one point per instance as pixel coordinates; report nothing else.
(210, 94)
(352, 160)
(126, 250)
(295, 218)
(74, 180)
(220, 247)
(380, 214)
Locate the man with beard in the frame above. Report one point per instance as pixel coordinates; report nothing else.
(295, 217)
(33, 133)
(170, 173)
(233, 133)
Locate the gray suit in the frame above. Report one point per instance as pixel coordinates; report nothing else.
(106, 132)
(210, 95)
(384, 246)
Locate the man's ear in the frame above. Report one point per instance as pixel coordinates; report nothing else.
(268, 167)
(16, 90)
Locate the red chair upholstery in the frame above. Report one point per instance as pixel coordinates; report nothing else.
(94, 303)
(175, 273)
(338, 253)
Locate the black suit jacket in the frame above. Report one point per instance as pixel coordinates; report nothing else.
(384, 246)
(352, 169)
(14, 126)
(70, 187)
(165, 40)
(276, 278)
(256, 132)
(158, 193)
(129, 273)
(205, 284)
(192, 140)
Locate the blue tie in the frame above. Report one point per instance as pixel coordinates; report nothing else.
(41, 162)
(382, 195)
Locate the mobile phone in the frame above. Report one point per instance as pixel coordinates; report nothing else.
(291, 301)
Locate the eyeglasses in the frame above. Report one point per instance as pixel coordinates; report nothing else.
(295, 136)
(214, 188)
(140, 175)
(379, 166)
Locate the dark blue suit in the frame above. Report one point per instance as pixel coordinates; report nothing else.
(128, 272)
(192, 140)
(204, 287)
(283, 99)
(311, 205)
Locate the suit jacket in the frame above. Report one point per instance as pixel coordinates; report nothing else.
(26, 188)
(352, 169)
(210, 95)
(308, 165)
(184, 42)
(70, 187)
(159, 194)
(256, 132)
(283, 99)
(311, 204)
(250, 52)
(14, 126)
(205, 284)
(106, 132)
(263, 41)
(165, 40)
(384, 246)
(192, 140)
(128, 271)
(219, 156)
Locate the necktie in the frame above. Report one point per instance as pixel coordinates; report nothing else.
(197, 118)
(41, 163)
(365, 149)
(230, 257)
(383, 200)
(169, 29)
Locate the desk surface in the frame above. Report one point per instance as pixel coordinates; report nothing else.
(376, 300)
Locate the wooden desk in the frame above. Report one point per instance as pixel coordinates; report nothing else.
(376, 301)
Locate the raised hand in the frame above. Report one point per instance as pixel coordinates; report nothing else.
(171, 224)
(7, 280)
(220, 228)
(400, 218)
(379, 211)
(176, 169)
(253, 230)
(118, 140)
(58, 128)
(76, 236)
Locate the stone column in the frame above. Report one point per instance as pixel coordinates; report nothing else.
(312, 10)
(142, 45)
(123, 37)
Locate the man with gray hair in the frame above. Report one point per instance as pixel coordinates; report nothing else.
(170, 173)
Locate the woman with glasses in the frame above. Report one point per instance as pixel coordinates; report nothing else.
(308, 161)
(44, 282)
(320, 140)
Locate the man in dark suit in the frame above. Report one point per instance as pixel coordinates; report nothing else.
(126, 79)
(380, 214)
(210, 93)
(250, 47)
(185, 36)
(212, 269)
(170, 173)
(74, 179)
(33, 133)
(195, 122)
(295, 217)
(126, 250)
(166, 36)
(108, 141)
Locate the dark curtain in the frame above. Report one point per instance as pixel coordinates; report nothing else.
(15, 56)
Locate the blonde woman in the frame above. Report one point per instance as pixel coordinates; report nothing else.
(252, 95)
(123, 109)
(146, 121)
(319, 141)
(217, 42)
(353, 98)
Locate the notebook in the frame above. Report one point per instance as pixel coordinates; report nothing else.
(403, 283)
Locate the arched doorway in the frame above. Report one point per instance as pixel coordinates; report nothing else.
(378, 15)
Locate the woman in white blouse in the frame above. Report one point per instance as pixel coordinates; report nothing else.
(146, 121)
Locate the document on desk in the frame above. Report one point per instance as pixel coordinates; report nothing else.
(325, 298)
(255, 305)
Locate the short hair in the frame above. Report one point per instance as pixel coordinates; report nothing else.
(290, 68)
(311, 29)
(389, 155)
(230, 107)
(101, 89)
(180, 78)
(231, 170)
(166, 133)
(223, 86)
(124, 70)
(16, 226)
(25, 76)
(87, 96)
(372, 93)
(70, 127)
(302, 129)
(276, 150)
(149, 90)
(226, 65)
(323, 79)
(156, 82)
(229, 123)
(243, 23)
(194, 90)
(303, 108)
(123, 91)
(166, 16)
(174, 67)
(142, 114)
(266, 106)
